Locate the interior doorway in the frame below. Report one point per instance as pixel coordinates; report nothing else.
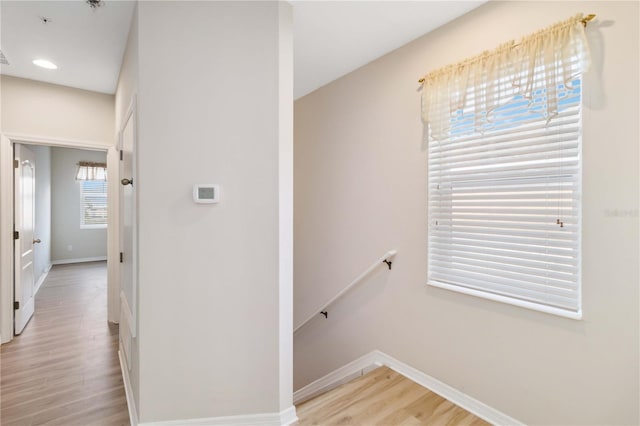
(91, 209)
(61, 215)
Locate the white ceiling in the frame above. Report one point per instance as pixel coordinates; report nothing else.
(87, 44)
(331, 38)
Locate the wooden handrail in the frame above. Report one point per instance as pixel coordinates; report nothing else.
(322, 310)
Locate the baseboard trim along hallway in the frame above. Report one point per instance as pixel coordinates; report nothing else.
(79, 260)
(376, 359)
(41, 280)
(131, 403)
(284, 418)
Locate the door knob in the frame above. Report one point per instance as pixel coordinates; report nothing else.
(37, 241)
(126, 181)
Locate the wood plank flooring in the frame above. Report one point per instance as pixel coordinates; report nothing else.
(64, 368)
(383, 397)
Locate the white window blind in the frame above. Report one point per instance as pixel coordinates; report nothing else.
(504, 196)
(93, 203)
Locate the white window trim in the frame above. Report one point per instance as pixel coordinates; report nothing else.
(512, 300)
(99, 226)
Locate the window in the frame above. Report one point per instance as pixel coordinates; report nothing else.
(93, 204)
(504, 186)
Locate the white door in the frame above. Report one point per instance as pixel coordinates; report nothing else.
(128, 233)
(24, 221)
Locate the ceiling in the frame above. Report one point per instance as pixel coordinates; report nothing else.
(87, 44)
(331, 38)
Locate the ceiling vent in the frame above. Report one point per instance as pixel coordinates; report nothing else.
(3, 59)
(95, 3)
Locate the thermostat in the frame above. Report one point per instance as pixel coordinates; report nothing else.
(206, 193)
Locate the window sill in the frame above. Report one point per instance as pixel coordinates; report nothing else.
(93, 226)
(509, 300)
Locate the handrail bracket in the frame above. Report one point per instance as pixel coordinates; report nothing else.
(388, 262)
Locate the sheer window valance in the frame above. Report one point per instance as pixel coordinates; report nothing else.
(91, 171)
(545, 60)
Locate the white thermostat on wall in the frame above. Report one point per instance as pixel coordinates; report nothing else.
(206, 193)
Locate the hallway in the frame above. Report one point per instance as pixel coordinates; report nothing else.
(64, 368)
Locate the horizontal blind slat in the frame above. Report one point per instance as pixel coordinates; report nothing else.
(565, 233)
(505, 219)
(559, 263)
(443, 236)
(510, 270)
(504, 171)
(532, 291)
(557, 180)
(524, 246)
(532, 137)
(504, 157)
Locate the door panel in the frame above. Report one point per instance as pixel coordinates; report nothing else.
(24, 221)
(127, 230)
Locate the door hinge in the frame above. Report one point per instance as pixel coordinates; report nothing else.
(121, 155)
(121, 257)
(16, 164)
(16, 235)
(16, 305)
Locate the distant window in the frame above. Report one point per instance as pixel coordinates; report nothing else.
(93, 204)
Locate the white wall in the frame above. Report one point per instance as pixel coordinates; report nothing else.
(360, 190)
(285, 202)
(69, 241)
(211, 338)
(42, 231)
(56, 112)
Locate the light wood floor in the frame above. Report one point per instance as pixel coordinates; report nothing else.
(64, 369)
(382, 397)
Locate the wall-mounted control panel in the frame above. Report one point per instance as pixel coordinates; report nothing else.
(206, 193)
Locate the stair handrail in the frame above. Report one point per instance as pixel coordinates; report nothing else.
(322, 310)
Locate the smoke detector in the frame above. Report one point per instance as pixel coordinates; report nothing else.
(3, 59)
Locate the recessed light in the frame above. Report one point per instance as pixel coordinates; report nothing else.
(45, 64)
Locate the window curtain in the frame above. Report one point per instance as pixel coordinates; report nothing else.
(545, 60)
(91, 171)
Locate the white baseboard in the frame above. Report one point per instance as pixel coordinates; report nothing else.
(284, 418)
(289, 416)
(378, 358)
(131, 402)
(344, 374)
(41, 279)
(79, 260)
